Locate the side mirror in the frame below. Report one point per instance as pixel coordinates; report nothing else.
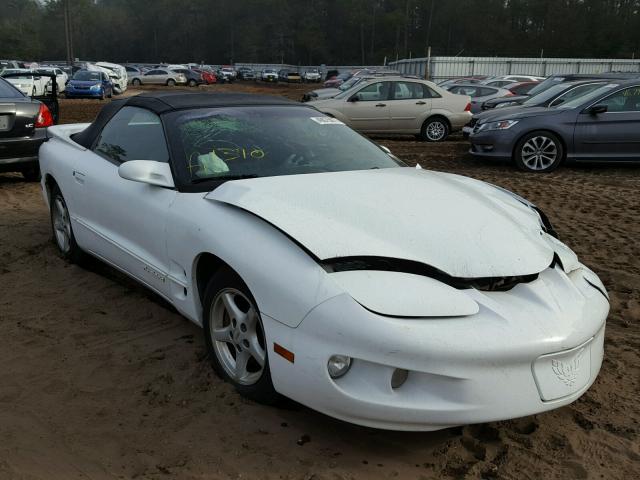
(354, 98)
(147, 171)
(597, 109)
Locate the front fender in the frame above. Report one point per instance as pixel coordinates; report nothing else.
(285, 281)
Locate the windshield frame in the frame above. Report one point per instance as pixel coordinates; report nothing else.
(186, 183)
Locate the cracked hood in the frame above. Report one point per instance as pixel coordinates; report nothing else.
(461, 226)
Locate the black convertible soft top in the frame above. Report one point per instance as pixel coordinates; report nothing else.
(162, 102)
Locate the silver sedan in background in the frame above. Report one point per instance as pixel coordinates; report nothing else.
(479, 93)
(159, 76)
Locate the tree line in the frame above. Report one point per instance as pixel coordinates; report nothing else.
(311, 32)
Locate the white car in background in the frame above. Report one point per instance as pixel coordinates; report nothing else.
(61, 77)
(117, 74)
(312, 75)
(399, 105)
(323, 269)
(29, 82)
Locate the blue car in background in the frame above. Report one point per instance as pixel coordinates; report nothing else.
(86, 83)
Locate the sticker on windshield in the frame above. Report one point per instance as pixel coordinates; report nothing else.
(327, 120)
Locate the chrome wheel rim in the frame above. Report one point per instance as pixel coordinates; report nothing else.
(539, 153)
(436, 130)
(237, 336)
(61, 225)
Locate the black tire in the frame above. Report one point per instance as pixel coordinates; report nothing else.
(136, 82)
(73, 253)
(435, 129)
(32, 174)
(261, 390)
(192, 83)
(171, 82)
(539, 152)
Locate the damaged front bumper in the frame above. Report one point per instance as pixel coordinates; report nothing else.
(534, 348)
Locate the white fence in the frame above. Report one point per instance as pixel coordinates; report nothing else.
(449, 67)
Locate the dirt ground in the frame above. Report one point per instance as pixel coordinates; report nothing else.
(99, 379)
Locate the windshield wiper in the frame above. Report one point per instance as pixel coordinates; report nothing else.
(223, 177)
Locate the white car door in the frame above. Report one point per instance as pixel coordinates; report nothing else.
(122, 221)
(368, 109)
(409, 105)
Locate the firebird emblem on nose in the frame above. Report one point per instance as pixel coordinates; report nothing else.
(567, 372)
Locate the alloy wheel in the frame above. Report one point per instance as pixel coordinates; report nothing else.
(61, 225)
(436, 131)
(539, 153)
(237, 336)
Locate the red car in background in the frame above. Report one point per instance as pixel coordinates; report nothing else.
(520, 88)
(207, 76)
(335, 82)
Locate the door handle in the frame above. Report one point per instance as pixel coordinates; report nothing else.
(79, 176)
(421, 103)
(381, 105)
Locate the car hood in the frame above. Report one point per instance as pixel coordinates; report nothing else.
(518, 112)
(463, 227)
(512, 98)
(322, 93)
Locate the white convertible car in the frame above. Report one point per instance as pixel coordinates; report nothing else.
(323, 269)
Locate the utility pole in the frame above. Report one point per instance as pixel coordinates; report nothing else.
(67, 32)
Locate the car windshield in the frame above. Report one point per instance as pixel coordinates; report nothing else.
(548, 94)
(244, 142)
(87, 76)
(545, 85)
(350, 83)
(592, 95)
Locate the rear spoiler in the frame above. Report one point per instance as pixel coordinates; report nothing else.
(64, 132)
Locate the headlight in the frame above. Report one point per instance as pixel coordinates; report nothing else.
(95, 87)
(499, 125)
(505, 104)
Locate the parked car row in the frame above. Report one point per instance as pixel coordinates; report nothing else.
(578, 118)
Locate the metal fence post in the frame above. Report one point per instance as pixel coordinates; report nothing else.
(472, 64)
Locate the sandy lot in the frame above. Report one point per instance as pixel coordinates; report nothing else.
(99, 379)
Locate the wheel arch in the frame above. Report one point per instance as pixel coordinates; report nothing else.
(205, 266)
(49, 184)
(434, 115)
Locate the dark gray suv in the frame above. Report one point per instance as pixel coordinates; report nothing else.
(603, 125)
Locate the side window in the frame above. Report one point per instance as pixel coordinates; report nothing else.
(627, 100)
(574, 93)
(410, 91)
(374, 92)
(483, 92)
(429, 92)
(133, 134)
